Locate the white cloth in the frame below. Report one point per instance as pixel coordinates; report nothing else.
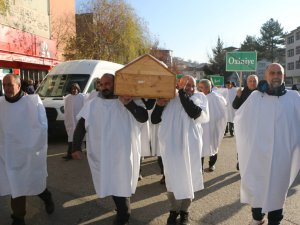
(213, 131)
(145, 138)
(180, 143)
(267, 137)
(113, 146)
(91, 95)
(72, 106)
(229, 95)
(23, 147)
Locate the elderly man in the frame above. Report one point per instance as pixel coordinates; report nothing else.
(72, 104)
(268, 145)
(213, 130)
(243, 94)
(113, 127)
(180, 143)
(230, 95)
(23, 148)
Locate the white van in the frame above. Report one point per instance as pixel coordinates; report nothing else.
(58, 81)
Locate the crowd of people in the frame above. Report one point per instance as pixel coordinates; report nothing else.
(263, 116)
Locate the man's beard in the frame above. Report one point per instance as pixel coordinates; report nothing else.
(275, 83)
(107, 93)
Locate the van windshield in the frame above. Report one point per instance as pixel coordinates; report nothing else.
(59, 85)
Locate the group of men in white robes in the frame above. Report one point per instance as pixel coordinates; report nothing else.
(189, 127)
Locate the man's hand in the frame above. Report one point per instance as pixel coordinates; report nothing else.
(77, 155)
(162, 101)
(239, 92)
(125, 99)
(182, 83)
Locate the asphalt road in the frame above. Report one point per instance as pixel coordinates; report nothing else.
(76, 202)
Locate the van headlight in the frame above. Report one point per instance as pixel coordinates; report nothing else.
(62, 109)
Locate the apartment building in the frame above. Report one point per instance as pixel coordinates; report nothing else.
(293, 56)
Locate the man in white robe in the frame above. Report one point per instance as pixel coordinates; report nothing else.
(23, 148)
(268, 145)
(230, 96)
(112, 126)
(213, 131)
(72, 104)
(180, 143)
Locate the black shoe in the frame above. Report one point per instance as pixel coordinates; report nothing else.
(172, 218)
(163, 180)
(231, 134)
(46, 196)
(119, 221)
(67, 157)
(237, 166)
(184, 218)
(17, 221)
(211, 168)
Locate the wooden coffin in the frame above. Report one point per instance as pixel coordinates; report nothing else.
(145, 77)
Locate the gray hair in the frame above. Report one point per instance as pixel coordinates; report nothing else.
(206, 82)
(254, 76)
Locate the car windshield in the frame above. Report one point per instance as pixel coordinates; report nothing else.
(59, 85)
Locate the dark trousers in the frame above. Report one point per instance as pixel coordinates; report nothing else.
(230, 127)
(212, 160)
(274, 217)
(160, 164)
(18, 205)
(69, 152)
(123, 208)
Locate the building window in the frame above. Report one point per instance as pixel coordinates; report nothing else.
(297, 50)
(298, 64)
(298, 35)
(291, 66)
(290, 52)
(290, 39)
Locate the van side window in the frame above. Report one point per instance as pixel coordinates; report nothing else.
(92, 85)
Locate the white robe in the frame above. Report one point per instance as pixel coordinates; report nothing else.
(23, 147)
(229, 95)
(213, 131)
(180, 143)
(113, 146)
(145, 138)
(267, 137)
(72, 105)
(91, 95)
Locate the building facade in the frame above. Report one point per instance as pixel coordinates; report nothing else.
(27, 46)
(293, 56)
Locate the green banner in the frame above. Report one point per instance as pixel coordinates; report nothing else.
(241, 61)
(217, 80)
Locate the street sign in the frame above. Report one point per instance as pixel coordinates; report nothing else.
(217, 80)
(241, 61)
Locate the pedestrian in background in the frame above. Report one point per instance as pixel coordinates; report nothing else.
(72, 104)
(213, 131)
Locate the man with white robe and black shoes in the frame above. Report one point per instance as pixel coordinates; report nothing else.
(23, 148)
(73, 103)
(112, 125)
(268, 145)
(180, 143)
(213, 131)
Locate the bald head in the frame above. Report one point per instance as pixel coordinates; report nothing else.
(188, 83)
(274, 75)
(11, 85)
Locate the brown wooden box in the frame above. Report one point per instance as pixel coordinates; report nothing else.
(145, 77)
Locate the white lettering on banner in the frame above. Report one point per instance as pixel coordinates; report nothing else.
(239, 61)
